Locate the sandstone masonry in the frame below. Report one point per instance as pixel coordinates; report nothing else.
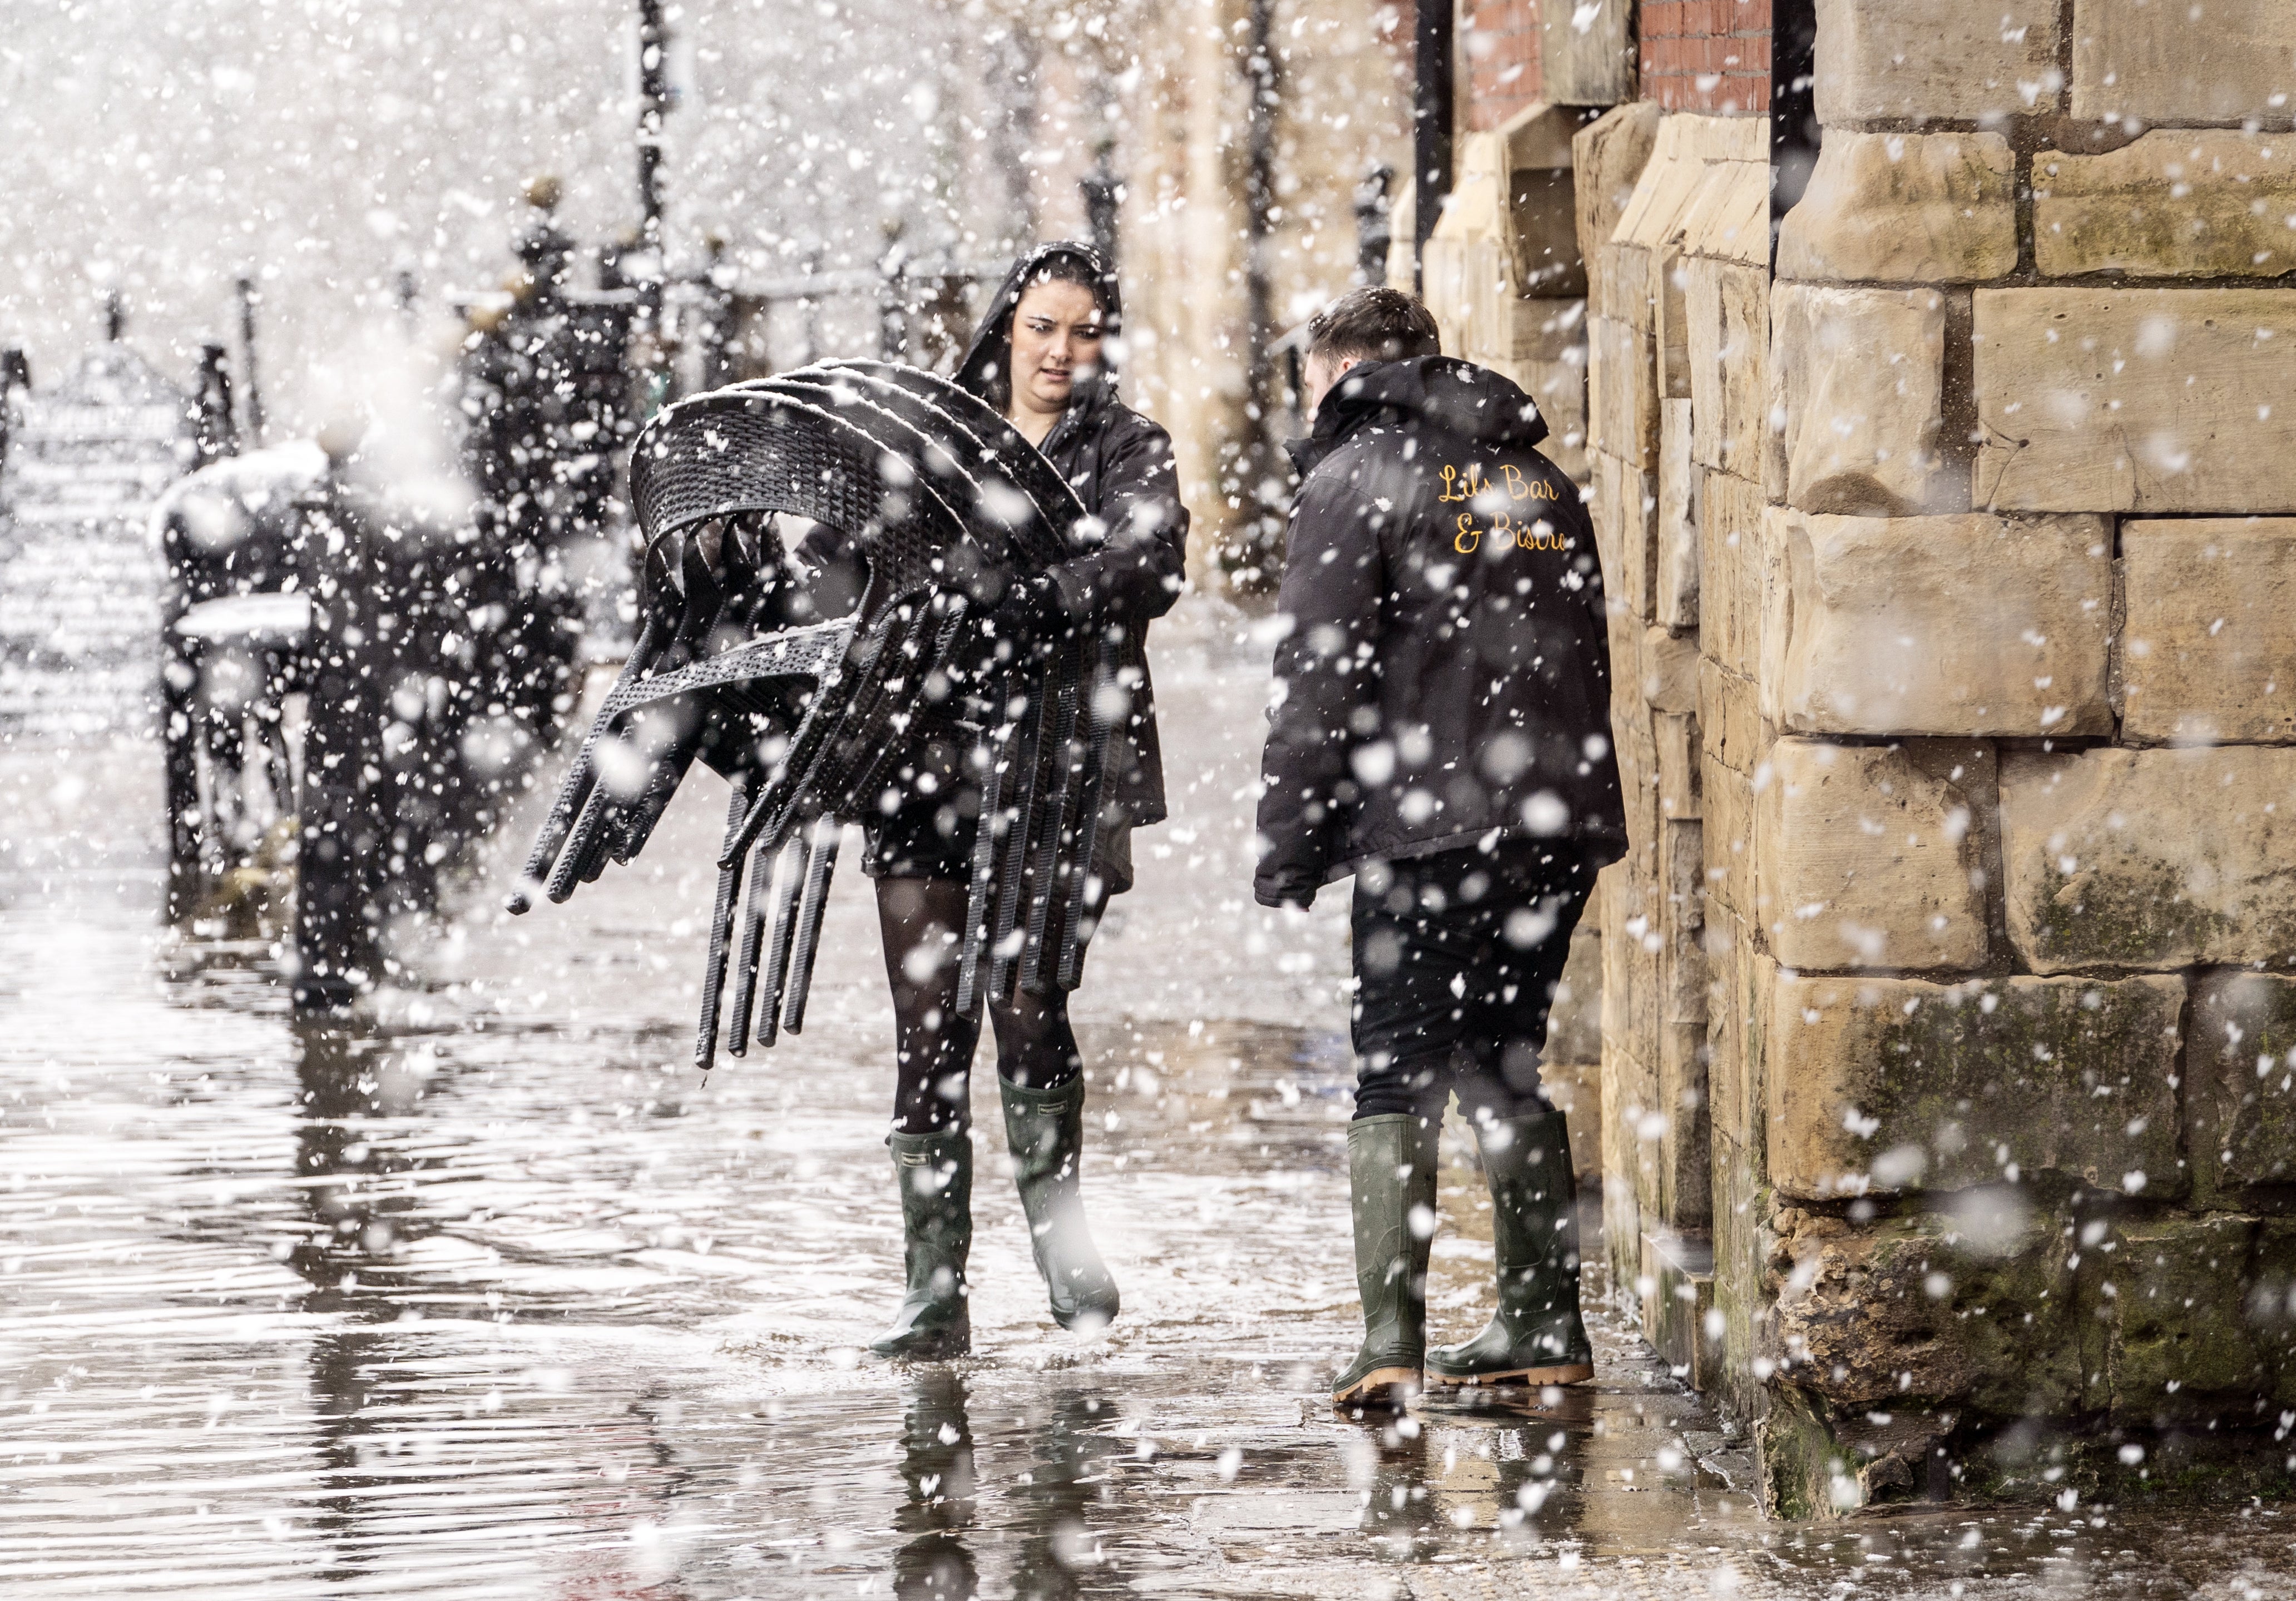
(1947, 989)
(1950, 548)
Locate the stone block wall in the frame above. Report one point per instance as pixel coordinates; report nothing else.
(1502, 272)
(1675, 234)
(1947, 994)
(1950, 987)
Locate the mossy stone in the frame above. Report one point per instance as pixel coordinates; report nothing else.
(2171, 1298)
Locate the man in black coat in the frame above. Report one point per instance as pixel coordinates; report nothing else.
(1441, 731)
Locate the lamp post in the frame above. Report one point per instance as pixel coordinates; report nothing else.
(653, 108)
(250, 391)
(1431, 130)
(1101, 187)
(1374, 223)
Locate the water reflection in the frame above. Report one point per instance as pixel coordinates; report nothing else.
(495, 1301)
(362, 1185)
(1036, 1513)
(934, 1562)
(1512, 1462)
(1060, 1486)
(1511, 1472)
(1402, 1504)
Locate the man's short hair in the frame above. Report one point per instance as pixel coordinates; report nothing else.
(1374, 323)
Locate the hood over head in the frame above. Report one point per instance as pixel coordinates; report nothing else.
(987, 369)
(1433, 391)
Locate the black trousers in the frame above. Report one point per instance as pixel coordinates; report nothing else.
(1456, 958)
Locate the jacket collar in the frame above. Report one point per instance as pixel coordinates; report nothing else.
(1424, 392)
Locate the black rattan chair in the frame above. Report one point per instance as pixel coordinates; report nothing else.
(944, 504)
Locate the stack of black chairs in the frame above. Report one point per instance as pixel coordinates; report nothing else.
(945, 505)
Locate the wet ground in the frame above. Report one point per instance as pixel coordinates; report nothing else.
(493, 1297)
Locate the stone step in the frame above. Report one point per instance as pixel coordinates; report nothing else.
(1677, 1293)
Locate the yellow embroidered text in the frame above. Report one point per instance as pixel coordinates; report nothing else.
(1506, 534)
(1463, 486)
(1467, 485)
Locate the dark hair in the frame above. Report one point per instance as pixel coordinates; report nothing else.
(1374, 323)
(1062, 265)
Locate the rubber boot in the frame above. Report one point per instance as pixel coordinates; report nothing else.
(1391, 1191)
(1045, 1130)
(1536, 1337)
(934, 1321)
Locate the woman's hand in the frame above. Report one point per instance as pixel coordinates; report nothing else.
(1029, 612)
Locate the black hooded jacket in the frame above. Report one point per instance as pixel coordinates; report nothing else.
(1121, 466)
(1447, 671)
(1119, 463)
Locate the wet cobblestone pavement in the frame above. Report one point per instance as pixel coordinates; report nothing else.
(491, 1297)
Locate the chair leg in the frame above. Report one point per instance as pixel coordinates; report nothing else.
(721, 930)
(822, 863)
(1056, 821)
(755, 914)
(581, 778)
(787, 887)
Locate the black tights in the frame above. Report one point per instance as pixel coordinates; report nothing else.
(1036, 1048)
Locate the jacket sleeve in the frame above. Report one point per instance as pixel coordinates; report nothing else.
(1326, 669)
(1138, 566)
(827, 574)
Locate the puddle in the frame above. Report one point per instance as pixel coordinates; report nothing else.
(495, 1297)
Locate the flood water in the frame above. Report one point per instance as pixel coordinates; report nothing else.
(492, 1295)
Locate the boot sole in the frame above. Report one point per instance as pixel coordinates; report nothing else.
(921, 1357)
(1095, 1317)
(1382, 1389)
(948, 1345)
(1567, 1373)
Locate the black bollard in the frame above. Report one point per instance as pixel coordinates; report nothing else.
(215, 431)
(341, 858)
(15, 379)
(179, 719)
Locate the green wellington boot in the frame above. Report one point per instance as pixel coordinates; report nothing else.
(1390, 1178)
(1045, 1128)
(1536, 1337)
(934, 1321)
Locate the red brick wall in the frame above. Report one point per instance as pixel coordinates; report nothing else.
(1706, 55)
(1396, 23)
(1499, 39)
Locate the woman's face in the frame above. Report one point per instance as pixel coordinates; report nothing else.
(1055, 341)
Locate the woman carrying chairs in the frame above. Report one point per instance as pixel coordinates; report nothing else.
(1043, 357)
(983, 708)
